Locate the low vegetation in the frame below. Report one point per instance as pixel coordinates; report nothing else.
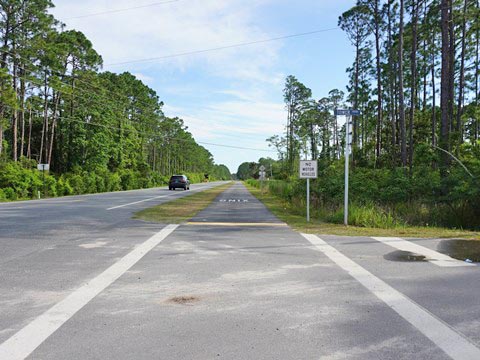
(367, 221)
(183, 209)
(22, 181)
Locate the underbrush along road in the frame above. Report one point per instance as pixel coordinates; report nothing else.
(79, 279)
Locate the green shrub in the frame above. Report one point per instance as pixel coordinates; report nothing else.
(128, 179)
(370, 215)
(51, 186)
(90, 182)
(77, 184)
(113, 182)
(64, 187)
(10, 194)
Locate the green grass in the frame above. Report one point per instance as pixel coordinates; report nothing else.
(285, 212)
(183, 209)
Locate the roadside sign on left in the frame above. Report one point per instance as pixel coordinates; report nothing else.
(43, 167)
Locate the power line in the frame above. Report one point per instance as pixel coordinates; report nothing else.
(222, 47)
(158, 136)
(181, 54)
(77, 90)
(84, 93)
(121, 10)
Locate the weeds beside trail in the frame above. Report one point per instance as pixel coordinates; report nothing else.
(295, 217)
(182, 209)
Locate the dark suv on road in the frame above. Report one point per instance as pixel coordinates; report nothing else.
(179, 181)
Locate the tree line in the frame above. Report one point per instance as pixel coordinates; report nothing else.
(58, 107)
(415, 76)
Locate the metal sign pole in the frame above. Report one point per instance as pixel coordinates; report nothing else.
(43, 168)
(308, 170)
(347, 142)
(262, 177)
(44, 188)
(308, 200)
(348, 113)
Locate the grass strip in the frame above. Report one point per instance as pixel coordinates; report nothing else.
(182, 209)
(286, 213)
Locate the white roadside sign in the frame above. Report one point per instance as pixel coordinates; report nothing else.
(43, 167)
(308, 169)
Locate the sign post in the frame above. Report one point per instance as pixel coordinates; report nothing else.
(348, 113)
(43, 168)
(347, 159)
(308, 170)
(262, 174)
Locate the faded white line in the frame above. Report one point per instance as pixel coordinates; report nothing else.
(137, 202)
(25, 341)
(456, 345)
(156, 197)
(66, 198)
(432, 256)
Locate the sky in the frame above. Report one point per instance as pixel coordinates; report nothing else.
(232, 96)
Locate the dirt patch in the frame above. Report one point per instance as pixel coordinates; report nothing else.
(183, 300)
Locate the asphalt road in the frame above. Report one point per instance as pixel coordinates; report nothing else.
(80, 281)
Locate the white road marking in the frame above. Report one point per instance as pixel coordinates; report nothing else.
(25, 341)
(22, 203)
(456, 345)
(432, 256)
(235, 224)
(156, 197)
(67, 197)
(137, 202)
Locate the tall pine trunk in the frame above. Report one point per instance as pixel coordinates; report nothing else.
(15, 111)
(451, 79)
(391, 84)
(461, 84)
(413, 91)
(22, 114)
(445, 85)
(45, 119)
(29, 151)
(434, 105)
(379, 81)
(477, 73)
(54, 123)
(401, 99)
(355, 95)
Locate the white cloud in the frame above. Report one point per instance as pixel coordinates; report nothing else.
(223, 96)
(243, 120)
(175, 28)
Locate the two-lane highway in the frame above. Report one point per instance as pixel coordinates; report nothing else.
(50, 247)
(233, 283)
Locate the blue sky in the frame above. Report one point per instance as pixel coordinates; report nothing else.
(232, 96)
